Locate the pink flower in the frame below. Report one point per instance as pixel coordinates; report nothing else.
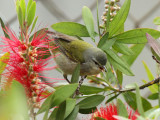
(27, 61)
(109, 111)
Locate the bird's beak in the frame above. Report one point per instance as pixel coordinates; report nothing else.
(103, 68)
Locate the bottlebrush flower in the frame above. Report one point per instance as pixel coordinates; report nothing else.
(109, 111)
(26, 62)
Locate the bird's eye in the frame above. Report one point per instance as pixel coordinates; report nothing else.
(96, 63)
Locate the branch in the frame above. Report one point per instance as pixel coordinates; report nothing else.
(157, 80)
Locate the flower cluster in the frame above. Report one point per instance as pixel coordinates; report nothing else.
(110, 111)
(114, 8)
(26, 62)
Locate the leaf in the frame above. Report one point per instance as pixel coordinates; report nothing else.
(120, 18)
(91, 101)
(136, 36)
(137, 50)
(45, 105)
(120, 118)
(4, 28)
(119, 77)
(3, 62)
(34, 23)
(20, 16)
(99, 118)
(59, 96)
(70, 104)
(23, 7)
(53, 114)
(29, 5)
(155, 45)
(112, 98)
(88, 21)
(71, 28)
(88, 111)
(75, 75)
(153, 96)
(154, 87)
(122, 111)
(86, 90)
(122, 48)
(156, 21)
(31, 13)
(118, 63)
(108, 44)
(130, 98)
(154, 114)
(73, 114)
(103, 40)
(61, 111)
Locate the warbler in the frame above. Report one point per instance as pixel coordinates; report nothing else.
(72, 51)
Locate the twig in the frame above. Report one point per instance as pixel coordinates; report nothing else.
(157, 80)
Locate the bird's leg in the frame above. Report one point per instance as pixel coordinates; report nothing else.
(78, 88)
(65, 77)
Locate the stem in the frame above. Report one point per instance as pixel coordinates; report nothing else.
(32, 113)
(155, 81)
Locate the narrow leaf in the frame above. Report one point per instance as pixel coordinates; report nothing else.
(137, 50)
(29, 5)
(120, 18)
(122, 111)
(3, 62)
(153, 96)
(87, 111)
(71, 28)
(34, 23)
(23, 7)
(53, 114)
(154, 87)
(61, 111)
(75, 75)
(86, 90)
(88, 20)
(73, 114)
(118, 63)
(4, 28)
(91, 101)
(103, 40)
(122, 48)
(70, 104)
(136, 36)
(31, 13)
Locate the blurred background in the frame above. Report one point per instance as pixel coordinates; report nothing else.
(141, 15)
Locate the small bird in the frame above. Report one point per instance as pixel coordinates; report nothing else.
(72, 51)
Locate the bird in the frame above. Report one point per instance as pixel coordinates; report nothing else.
(73, 51)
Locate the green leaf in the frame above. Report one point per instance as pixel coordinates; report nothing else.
(91, 101)
(61, 111)
(4, 28)
(23, 7)
(122, 111)
(87, 90)
(53, 114)
(136, 36)
(71, 28)
(70, 104)
(119, 77)
(112, 98)
(106, 44)
(31, 13)
(118, 63)
(137, 50)
(46, 104)
(122, 48)
(139, 101)
(20, 16)
(130, 98)
(103, 40)
(153, 96)
(75, 75)
(120, 18)
(73, 114)
(29, 5)
(154, 87)
(59, 96)
(156, 20)
(153, 114)
(88, 20)
(34, 23)
(88, 111)
(62, 93)
(3, 62)
(98, 20)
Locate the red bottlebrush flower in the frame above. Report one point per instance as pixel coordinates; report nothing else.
(27, 61)
(109, 111)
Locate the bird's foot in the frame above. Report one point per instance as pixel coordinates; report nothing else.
(65, 77)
